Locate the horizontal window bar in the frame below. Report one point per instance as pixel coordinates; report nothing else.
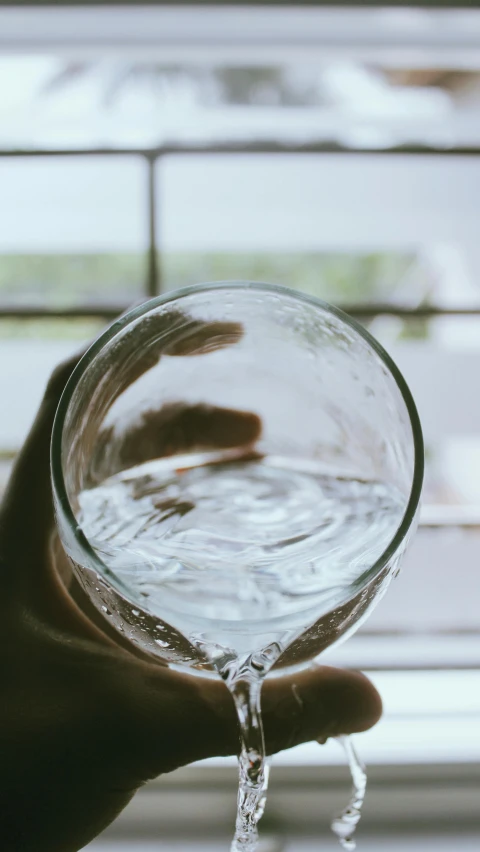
(254, 29)
(361, 311)
(260, 147)
(78, 312)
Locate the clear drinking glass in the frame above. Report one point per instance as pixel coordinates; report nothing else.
(236, 471)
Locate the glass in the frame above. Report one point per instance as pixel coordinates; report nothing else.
(236, 472)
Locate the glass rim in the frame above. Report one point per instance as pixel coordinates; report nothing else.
(62, 501)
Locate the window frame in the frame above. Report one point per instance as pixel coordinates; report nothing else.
(393, 786)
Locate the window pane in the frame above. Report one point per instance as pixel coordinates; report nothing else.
(440, 360)
(72, 230)
(353, 230)
(438, 588)
(346, 228)
(336, 277)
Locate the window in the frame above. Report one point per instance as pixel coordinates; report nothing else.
(145, 149)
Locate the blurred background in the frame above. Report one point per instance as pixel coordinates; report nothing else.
(337, 151)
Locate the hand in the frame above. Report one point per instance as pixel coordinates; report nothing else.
(85, 718)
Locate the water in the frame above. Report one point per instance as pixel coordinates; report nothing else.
(345, 824)
(235, 543)
(239, 540)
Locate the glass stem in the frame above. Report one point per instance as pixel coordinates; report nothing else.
(253, 773)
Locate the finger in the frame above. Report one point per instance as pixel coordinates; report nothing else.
(26, 513)
(174, 429)
(316, 704)
(199, 721)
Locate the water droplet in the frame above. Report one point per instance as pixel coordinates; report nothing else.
(106, 610)
(272, 651)
(161, 643)
(135, 612)
(160, 627)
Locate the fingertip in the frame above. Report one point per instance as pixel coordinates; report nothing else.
(359, 703)
(316, 704)
(349, 699)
